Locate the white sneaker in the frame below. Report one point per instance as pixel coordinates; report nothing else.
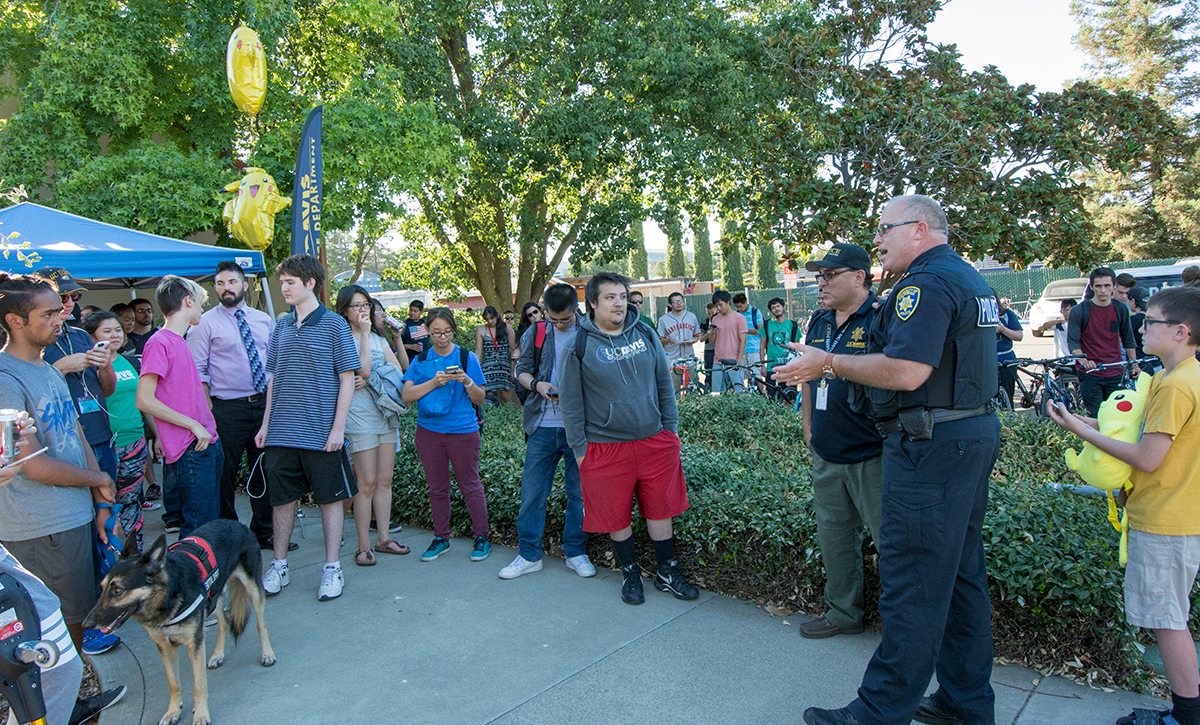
(581, 565)
(520, 566)
(275, 578)
(331, 584)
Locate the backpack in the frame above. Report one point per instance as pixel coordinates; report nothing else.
(462, 363)
(539, 340)
(639, 326)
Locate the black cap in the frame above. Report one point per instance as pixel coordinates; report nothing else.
(843, 254)
(61, 278)
(1141, 294)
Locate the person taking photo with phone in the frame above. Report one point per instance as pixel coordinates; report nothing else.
(446, 383)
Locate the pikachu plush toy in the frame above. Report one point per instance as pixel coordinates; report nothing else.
(1120, 417)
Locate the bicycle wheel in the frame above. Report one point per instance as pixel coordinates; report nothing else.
(1045, 401)
(1001, 400)
(788, 396)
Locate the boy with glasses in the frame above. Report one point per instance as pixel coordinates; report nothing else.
(1162, 507)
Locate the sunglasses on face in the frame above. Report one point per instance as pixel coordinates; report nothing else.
(73, 297)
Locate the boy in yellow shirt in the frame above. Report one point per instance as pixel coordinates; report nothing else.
(1164, 506)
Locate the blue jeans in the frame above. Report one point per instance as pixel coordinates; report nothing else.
(542, 452)
(196, 481)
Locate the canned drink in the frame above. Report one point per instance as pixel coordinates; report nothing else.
(8, 434)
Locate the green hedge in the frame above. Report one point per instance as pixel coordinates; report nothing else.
(750, 532)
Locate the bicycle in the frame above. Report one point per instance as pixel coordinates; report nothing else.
(1056, 383)
(686, 369)
(1127, 380)
(778, 392)
(728, 366)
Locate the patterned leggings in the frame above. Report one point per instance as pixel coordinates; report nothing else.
(131, 468)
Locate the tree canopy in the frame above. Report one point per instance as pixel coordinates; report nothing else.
(577, 117)
(124, 111)
(1149, 208)
(892, 113)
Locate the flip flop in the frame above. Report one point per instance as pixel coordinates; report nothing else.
(391, 546)
(369, 561)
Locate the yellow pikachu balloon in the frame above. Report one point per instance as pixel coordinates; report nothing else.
(246, 69)
(1120, 418)
(250, 216)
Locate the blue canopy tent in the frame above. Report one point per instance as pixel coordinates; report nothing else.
(109, 256)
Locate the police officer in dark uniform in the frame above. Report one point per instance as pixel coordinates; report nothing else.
(930, 373)
(847, 448)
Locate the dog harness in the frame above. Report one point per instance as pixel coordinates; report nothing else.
(199, 551)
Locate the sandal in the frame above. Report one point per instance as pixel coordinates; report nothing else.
(369, 560)
(391, 546)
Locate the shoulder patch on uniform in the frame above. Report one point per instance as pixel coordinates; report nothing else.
(907, 301)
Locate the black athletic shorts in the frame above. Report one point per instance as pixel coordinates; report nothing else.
(293, 472)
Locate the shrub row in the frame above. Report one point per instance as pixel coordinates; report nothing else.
(750, 532)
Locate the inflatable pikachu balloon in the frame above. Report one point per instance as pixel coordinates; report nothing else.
(1120, 418)
(250, 216)
(246, 69)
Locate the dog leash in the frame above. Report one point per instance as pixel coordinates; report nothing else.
(255, 467)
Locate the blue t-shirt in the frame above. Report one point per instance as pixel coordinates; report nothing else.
(754, 319)
(1004, 346)
(446, 409)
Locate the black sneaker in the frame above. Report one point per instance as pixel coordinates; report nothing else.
(392, 528)
(670, 580)
(153, 492)
(90, 707)
(631, 590)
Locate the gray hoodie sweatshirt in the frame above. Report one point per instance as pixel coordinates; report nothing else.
(621, 390)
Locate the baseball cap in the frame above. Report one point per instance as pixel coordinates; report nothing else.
(61, 278)
(1141, 294)
(843, 254)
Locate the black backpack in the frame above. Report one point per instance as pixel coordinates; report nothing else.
(462, 363)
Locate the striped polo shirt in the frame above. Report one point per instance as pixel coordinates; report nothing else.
(304, 362)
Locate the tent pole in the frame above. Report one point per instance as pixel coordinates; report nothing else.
(266, 291)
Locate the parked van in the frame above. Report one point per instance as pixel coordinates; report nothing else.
(1157, 278)
(1046, 309)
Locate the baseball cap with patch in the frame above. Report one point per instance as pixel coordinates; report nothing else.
(843, 254)
(61, 278)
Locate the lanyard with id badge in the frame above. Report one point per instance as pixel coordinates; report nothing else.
(821, 399)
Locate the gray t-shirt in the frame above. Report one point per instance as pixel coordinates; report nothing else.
(29, 509)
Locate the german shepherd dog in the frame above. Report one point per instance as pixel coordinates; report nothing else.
(170, 590)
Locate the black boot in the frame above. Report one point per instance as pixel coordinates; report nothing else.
(631, 590)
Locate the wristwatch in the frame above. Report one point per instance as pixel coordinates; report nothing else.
(827, 368)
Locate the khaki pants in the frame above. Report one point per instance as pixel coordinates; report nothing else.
(847, 497)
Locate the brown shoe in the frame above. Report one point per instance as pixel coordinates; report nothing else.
(822, 629)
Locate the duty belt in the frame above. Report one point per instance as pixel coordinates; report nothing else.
(918, 422)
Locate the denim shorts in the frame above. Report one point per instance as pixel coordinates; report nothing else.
(1159, 579)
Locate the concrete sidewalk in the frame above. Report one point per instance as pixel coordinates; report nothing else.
(449, 642)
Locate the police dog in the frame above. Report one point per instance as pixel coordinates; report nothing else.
(169, 590)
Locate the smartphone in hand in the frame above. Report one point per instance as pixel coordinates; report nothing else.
(452, 370)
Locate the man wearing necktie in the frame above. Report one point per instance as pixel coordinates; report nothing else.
(230, 349)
